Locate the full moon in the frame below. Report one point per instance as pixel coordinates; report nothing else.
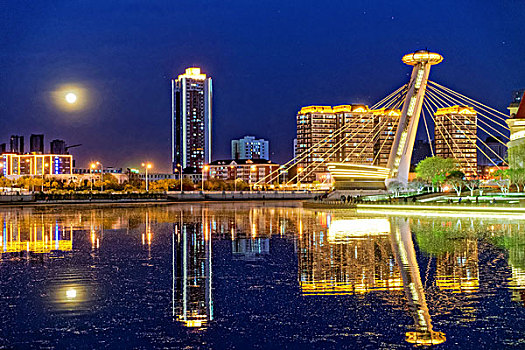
(71, 97)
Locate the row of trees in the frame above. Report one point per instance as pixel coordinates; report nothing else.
(437, 172)
(110, 184)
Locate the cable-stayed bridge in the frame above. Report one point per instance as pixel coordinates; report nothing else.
(366, 148)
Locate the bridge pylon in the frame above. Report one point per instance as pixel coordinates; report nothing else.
(403, 144)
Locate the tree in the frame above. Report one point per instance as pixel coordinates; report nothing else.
(418, 185)
(502, 180)
(516, 177)
(435, 169)
(395, 187)
(456, 179)
(472, 185)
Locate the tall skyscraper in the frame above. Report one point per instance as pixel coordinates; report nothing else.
(455, 135)
(58, 147)
(16, 144)
(36, 143)
(191, 119)
(250, 148)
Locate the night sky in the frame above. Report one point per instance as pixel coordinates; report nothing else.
(266, 58)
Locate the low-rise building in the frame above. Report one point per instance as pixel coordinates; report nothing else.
(15, 165)
(248, 170)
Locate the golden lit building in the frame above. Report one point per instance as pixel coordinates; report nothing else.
(387, 121)
(357, 140)
(248, 170)
(36, 164)
(346, 133)
(455, 136)
(315, 124)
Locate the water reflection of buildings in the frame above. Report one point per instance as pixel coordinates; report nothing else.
(348, 257)
(31, 237)
(192, 272)
(458, 271)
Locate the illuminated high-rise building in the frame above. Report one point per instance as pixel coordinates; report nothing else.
(347, 133)
(191, 119)
(455, 135)
(357, 140)
(314, 124)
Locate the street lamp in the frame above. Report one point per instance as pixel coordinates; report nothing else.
(147, 166)
(180, 176)
(91, 167)
(204, 168)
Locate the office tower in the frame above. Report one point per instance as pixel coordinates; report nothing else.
(191, 119)
(58, 147)
(3, 147)
(16, 144)
(36, 143)
(455, 135)
(250, 148)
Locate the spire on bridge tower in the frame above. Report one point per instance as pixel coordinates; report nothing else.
(403, 144)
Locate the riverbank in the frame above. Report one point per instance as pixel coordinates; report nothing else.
(152, 198)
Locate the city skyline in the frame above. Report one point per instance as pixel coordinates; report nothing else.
(261, 78)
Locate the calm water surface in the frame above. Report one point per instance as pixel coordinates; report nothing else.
(255, 275)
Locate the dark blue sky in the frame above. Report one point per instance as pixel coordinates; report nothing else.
(267, 59)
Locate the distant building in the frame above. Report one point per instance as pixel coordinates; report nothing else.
(58, 147)
(36, 164)
(248, 170)
(16, 144)
(250, 148)
(3, 148)
(455, 134)
(191, 119)
(36, 144)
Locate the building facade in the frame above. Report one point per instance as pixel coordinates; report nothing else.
(455, 134)
(516, 123)
(36, 164)
(248, 170)
(250, 148)
(347, 133)
(191, 119)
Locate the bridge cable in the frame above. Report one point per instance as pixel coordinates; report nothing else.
(478, 112)
(482, 106)
(475, 170)
(337, 147)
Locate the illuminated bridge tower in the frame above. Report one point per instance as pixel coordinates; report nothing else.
(403, 247)
(403, 144)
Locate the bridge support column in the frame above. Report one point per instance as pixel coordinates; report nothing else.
(403, 144)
